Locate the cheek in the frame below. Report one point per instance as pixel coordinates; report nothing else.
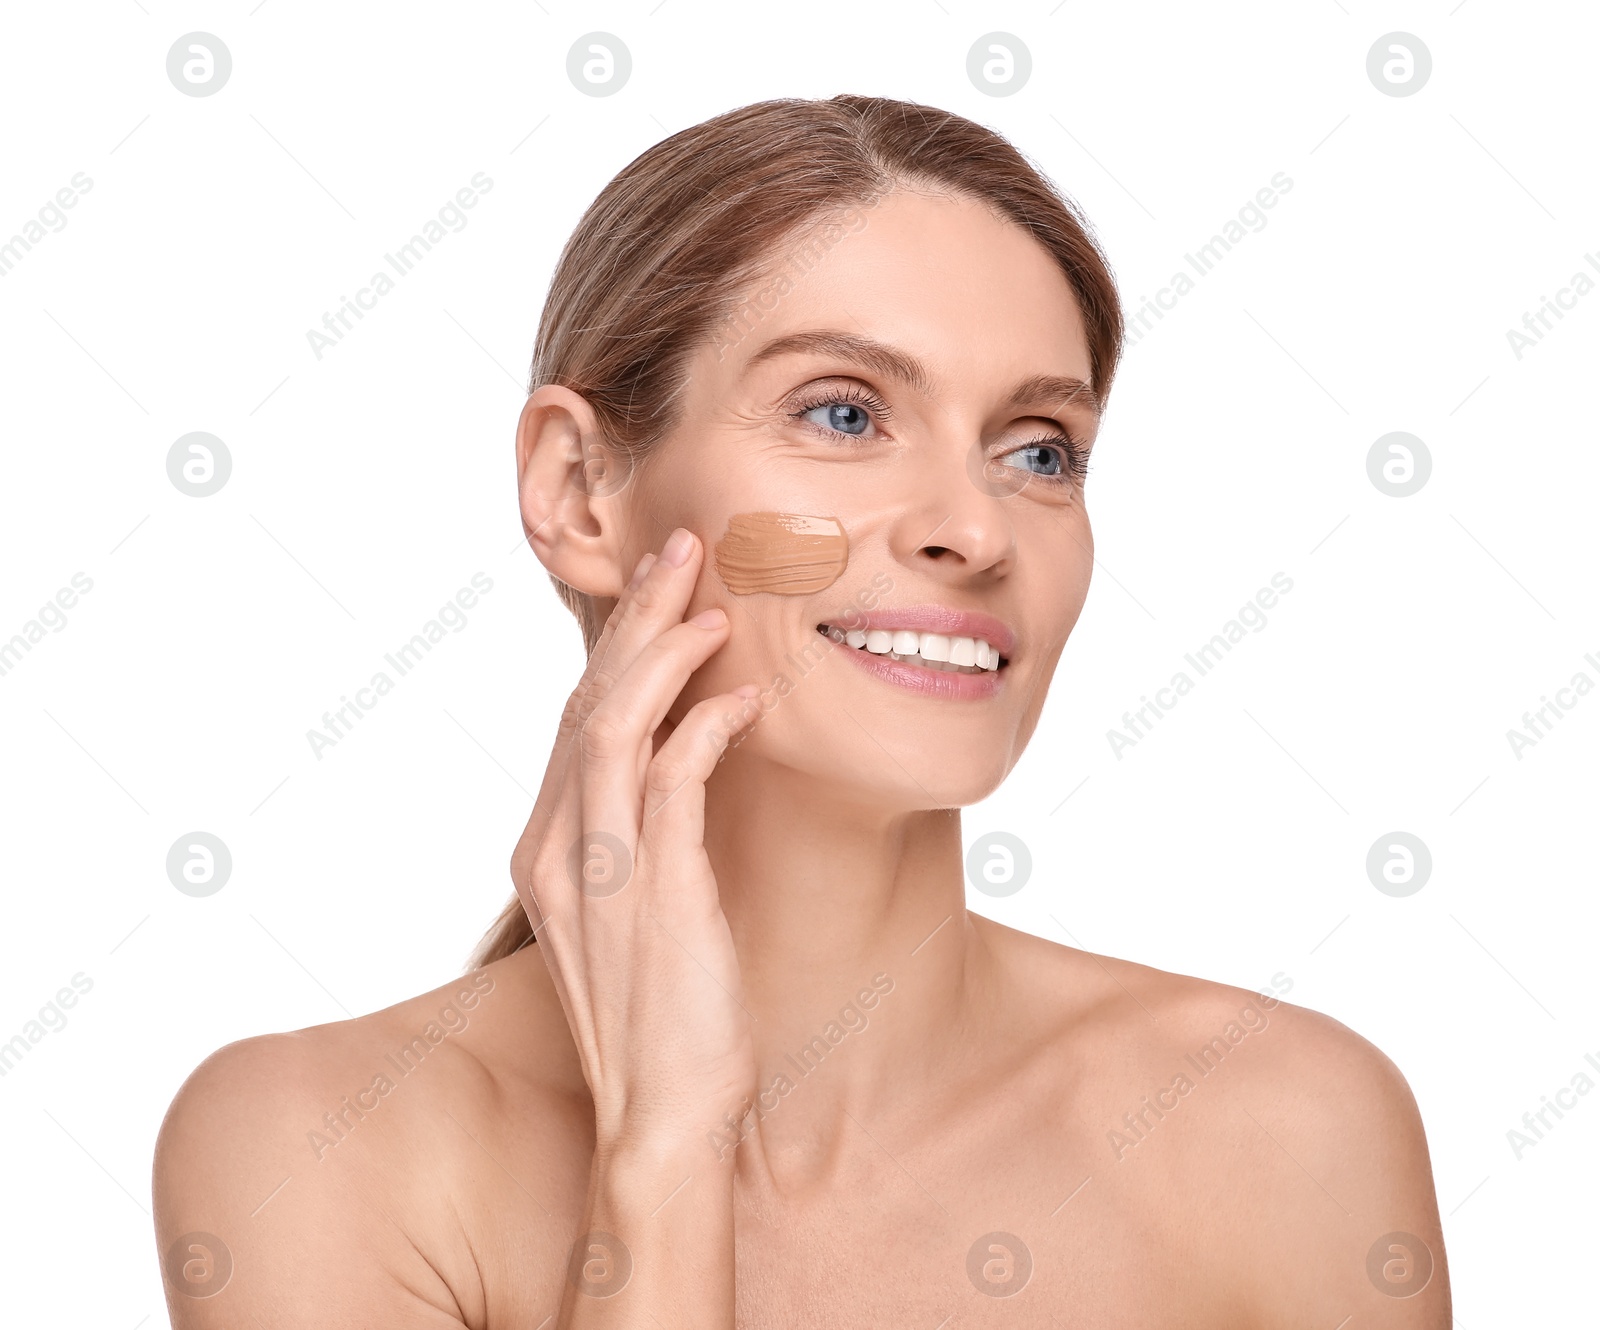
(785, 554)
(1057, 589)
(1079, 556)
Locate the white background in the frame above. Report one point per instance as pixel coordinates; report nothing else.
(369, 485)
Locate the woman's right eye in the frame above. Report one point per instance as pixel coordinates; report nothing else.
(843, 408)
(841, 417)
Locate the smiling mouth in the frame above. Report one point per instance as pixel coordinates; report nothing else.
(934, 651)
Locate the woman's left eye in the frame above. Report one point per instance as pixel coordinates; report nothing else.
(1062, 458)
(1047, 453)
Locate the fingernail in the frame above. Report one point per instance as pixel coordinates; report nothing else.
(640, 571)
(712, 618)
(747, 690)
(676, 552)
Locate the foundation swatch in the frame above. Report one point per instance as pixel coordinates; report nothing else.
(786, 554)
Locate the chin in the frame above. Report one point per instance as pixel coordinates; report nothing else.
(869, 771)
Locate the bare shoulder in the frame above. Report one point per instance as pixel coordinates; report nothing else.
(1289, 1058)
(1286, 1148)
(328, 1176)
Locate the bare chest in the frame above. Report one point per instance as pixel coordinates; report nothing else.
(984, 1242)
(993, 1233)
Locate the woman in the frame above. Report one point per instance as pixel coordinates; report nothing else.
(813, 397)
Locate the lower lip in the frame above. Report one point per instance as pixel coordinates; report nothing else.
(947, 684)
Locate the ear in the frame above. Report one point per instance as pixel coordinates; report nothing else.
(571, 492)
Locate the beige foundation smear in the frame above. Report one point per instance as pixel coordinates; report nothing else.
(786, 554)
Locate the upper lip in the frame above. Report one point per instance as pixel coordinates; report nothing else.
(939, 619)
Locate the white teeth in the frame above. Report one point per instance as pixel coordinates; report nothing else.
(939, 651)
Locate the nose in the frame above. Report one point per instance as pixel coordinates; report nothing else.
(958, 522)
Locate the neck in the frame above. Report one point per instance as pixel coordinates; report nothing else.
(855, 951)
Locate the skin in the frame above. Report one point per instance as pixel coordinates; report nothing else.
(585, 1087)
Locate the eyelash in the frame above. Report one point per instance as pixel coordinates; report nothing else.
(1074, 456)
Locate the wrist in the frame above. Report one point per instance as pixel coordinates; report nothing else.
(660, 1145)
(655, 1154)
(639, 1180)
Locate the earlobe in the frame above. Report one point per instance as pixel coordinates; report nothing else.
(571, 523)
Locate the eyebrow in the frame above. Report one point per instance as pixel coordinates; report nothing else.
(1055, 389)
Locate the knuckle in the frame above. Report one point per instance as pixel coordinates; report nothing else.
(646, 597)
(543, 890)
(603, 734)
(600, 683)
(547, 863)
(717, 720)
(572, 713)
(667, 775)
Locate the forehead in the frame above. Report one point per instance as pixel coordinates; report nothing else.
(967, 292)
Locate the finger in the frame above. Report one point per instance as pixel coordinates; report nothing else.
(617, 738)
(555, 809)
(550, 864)
(592, 684)
(590, 687)
(608, 632)
(654, 601)
(649, 688)
(673, 824)
(648, 606)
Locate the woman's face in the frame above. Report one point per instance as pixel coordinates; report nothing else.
(915, 381)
